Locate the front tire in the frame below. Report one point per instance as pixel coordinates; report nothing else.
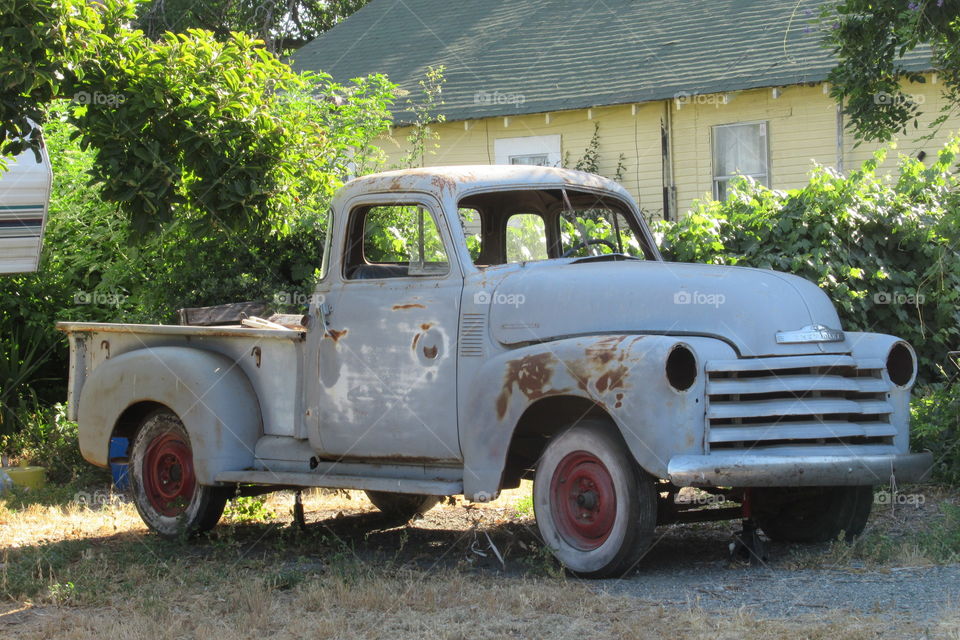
(812, 514)
(595, 508)
(165, 489)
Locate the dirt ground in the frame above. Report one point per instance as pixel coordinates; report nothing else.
(89, 569)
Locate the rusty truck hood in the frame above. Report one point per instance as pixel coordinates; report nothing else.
(742, 306)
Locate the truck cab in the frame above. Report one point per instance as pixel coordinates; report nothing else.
(476, 326)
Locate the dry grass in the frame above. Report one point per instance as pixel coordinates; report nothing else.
(78, 572)
(371, 604)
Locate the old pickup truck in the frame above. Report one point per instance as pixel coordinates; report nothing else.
(476, 326)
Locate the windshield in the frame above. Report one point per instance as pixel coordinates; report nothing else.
(540, 224)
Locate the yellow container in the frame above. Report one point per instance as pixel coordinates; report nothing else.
(32, 477)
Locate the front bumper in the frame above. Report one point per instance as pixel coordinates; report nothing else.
(759, 470)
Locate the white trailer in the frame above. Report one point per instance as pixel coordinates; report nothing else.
(24, 201)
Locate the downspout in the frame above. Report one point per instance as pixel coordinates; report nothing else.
(666, 154)
(840, 138)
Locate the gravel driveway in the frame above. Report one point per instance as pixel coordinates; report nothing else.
(908, 593)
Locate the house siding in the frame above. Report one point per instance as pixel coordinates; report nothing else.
(802, 129)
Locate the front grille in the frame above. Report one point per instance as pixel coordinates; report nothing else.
(796, 400)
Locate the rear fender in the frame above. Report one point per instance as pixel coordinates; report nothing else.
(207, 391)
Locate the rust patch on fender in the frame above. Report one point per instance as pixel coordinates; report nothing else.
(606, 349)
(335, 334)
(619, 401)
(398, 307)
(602, 363)
(416, 339)
(611, 379)
(531, 375)
(430, 352)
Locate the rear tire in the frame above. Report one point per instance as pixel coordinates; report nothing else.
(402, 506)
(812, 514)
(595, 508)
(164, 485)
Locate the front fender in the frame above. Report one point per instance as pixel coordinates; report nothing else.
(208, 392)
(622, 374)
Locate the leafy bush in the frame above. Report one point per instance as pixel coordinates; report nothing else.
(92, 270)
(935, 425)
(48, 439)
(21, 359)
(883, 248)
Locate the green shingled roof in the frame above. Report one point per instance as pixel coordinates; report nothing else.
(508, 57)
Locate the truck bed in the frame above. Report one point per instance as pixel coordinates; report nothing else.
(272, 359)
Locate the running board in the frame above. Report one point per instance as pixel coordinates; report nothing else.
(333, 481)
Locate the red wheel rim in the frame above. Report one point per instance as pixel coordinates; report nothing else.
(168, 478)
(583, 500)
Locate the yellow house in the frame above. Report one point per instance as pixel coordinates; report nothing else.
(681, 96)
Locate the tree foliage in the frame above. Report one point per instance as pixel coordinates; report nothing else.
(870, 38)
(220, 132)
(281, 24)
(212, 144)
(33, 60)
(885, 250)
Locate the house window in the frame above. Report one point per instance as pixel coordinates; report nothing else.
(739, 149)
(538, 160)
(543, 151)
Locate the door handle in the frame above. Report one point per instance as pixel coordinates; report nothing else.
(323, 313)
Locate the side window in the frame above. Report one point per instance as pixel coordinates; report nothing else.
(396, 240)
(526, 238)
(327, 245)
(472, 231)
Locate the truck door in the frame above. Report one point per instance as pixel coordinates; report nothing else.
(387, 364)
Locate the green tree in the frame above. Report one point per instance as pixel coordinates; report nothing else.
(221, 133)
(215, 148)
(281, 24)
(870, 39)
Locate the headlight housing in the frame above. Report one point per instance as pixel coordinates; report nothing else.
(681, 367)
(902, 365)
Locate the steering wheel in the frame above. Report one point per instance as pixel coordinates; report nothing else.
(584, 244)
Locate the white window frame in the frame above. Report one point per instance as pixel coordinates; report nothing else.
(506, 148)
(763, 178)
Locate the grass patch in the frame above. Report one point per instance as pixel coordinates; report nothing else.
(523, 508)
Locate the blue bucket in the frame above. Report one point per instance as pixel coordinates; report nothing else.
(118, 450)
